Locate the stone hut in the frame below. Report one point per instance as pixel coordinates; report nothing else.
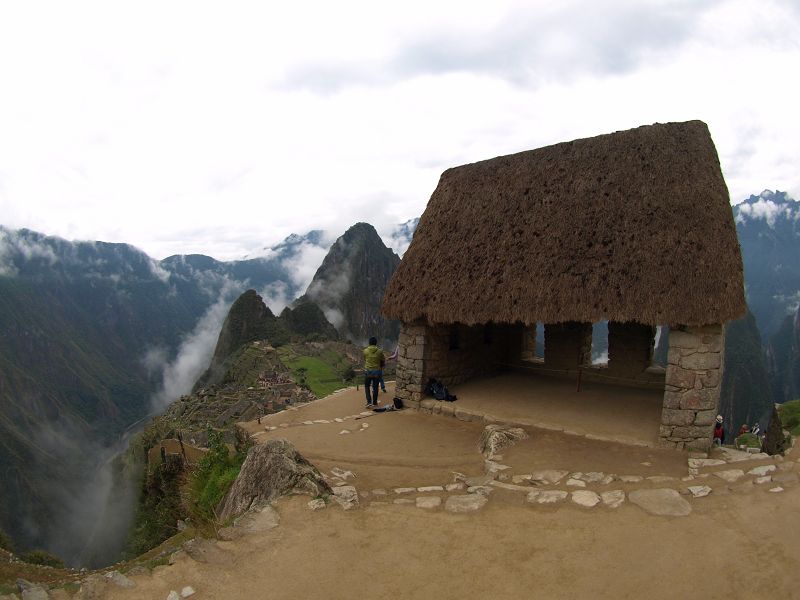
(634, 228)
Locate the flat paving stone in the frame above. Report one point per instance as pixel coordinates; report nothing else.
(699, 491)
(404, 490)
(731, 475)
(571, 482)
(430, 488)
(546, 496)
(404, 501)
(465, 503)
(585, 498)
(661, 501)
(547, 476)
(429, 502)
(762, 470)
(631, 478)
(510, 486)
(698, 463)
(483, 490)
(775, 490)
(454, 487)
(613, 498)
(764, 479)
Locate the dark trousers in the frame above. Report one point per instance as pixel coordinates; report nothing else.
(371, 386)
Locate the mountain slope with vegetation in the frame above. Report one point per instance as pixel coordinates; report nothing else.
(86, 330)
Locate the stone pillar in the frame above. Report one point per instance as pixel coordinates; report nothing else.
(567, 345)
(693, 379)
(410, 364)
(630, 347)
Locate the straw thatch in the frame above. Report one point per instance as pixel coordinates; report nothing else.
(631, 226)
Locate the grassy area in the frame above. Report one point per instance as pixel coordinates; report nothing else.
(323, 374)
(789, 413)
(748, 439)
(214, 475)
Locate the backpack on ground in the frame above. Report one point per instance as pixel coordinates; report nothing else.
(438, 390)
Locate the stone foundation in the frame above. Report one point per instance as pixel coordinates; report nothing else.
(693, 379)
(452, 354)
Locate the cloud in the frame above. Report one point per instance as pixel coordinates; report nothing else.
(91, 498)
(766, 209)
(194, 354)
(528, 46)
(16, 245)
(288, 123)
(276, 296)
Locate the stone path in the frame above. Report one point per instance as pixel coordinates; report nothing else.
(583, 489)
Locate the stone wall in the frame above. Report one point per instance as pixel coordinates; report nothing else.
(452, 354)
(691, 397)
(567, 345)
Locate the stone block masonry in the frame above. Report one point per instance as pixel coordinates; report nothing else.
(452, 354)
(691, 396)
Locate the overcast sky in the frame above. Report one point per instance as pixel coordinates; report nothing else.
(222, 127)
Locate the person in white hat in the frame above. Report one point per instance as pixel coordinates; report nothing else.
(719, 431)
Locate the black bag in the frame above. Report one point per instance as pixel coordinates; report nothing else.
(439, 391)
(398, 403)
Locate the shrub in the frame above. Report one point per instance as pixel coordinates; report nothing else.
(790, 416)
(750, 440)
(214, 475)
(40, 557)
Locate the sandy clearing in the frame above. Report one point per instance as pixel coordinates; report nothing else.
(733, 544)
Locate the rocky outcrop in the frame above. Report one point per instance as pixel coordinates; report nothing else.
(496, 437)
(270, 471)
(775, 440)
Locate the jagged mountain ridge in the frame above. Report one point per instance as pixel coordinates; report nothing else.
(350, 283)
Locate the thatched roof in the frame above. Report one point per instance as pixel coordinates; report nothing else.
(630, 226)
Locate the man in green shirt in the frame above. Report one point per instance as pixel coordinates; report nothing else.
(373, 369)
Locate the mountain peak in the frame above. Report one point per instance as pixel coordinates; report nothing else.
(349, 284)
(770, 207)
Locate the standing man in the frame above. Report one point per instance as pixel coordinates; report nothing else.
(373, 359)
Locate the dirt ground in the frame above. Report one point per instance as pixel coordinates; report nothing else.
(733, 544)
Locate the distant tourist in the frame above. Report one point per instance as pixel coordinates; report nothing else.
(719, 431)
(756, 430)
(745, 428)
(373, 362)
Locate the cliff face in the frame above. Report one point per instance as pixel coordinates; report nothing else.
(783, 358)
(350, 283)
(745, 396)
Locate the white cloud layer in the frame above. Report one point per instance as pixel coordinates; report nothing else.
(215, 128)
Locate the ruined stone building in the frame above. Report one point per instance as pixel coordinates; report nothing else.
(634, 228)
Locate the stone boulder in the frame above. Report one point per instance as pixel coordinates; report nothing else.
(270, 471)
(663, 502)
(496, 437)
